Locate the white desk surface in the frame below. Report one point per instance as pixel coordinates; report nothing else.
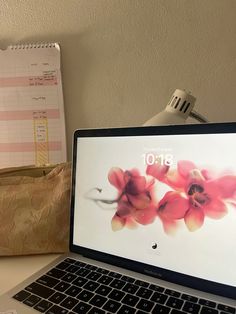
(13, 269)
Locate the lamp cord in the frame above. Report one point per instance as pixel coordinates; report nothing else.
(198, 116)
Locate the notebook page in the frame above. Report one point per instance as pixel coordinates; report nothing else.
(32, 121)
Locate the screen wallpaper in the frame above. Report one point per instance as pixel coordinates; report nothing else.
(167, 201)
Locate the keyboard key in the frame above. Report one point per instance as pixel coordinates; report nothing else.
(174, 303)
(63, 265)
(208, 310)
(56, 273)
(32, 300)
(145, 305)
(191, 307)
(91, 267)
(226, 308)
(118, 284)
(161, 309)
(176, 312)
(69, 303)
(21, 296)
(130, 288)
(115, 275)
(125, 309)
(79, 281)
(72, 269)
(57, 297)
(69, 260)
(207, 303)
(190, 298)
(105, 280)
(156, 288)
(159, 297)
(47, 281)
(102, 271)
(62, 286)
(95, 310)
(83, 272)
(141, 283)
(130, 300)
(144, 293)
(93, 276)
(111, 306)
(69, 277)
(80, 264)
(85, 295)
(73, 291)
(98, 300)
(103, 290)
(55, 309)
(82, 308)
(43, 306)
(41, 291)
(91, 285)
(128, 279)
(116, 295)
(173, 293)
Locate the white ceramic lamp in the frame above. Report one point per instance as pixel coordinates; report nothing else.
(179, 108)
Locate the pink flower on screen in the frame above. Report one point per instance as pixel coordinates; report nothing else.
(135, 200)
(171, 208)
(199, 195)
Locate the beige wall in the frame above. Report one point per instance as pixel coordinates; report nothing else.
(122, 59)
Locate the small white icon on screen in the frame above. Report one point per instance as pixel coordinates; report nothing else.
(154, 245)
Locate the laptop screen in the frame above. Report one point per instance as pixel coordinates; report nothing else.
(164, 197)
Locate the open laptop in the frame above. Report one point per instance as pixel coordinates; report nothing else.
(153, 226)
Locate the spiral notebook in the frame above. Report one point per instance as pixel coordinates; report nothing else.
(32, 120)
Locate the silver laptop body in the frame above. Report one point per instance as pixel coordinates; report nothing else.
(152, 208)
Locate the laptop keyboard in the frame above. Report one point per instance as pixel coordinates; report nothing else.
(75, 287)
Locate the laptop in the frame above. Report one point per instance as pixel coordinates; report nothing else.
(153, 226)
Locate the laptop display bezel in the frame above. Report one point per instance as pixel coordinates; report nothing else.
(157, 272)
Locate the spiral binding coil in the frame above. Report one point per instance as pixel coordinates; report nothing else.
(33, 46)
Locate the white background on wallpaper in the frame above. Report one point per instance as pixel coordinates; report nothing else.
(207, 253)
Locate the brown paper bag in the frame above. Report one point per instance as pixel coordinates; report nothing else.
(34, 210)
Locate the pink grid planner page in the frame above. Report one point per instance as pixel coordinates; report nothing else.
(32, 119)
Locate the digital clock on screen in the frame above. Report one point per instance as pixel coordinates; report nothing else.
(161, 159)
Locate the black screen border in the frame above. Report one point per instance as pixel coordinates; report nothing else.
(157, 272)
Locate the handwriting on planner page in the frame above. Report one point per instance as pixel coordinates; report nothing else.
(32, 120)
